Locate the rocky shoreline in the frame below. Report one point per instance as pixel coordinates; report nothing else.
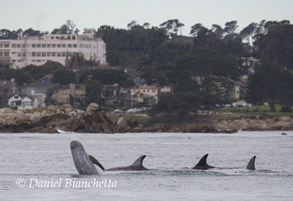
(55, 119)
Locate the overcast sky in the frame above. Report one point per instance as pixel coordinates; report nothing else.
(45, 15)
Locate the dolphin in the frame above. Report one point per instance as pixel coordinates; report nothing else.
(251, 164)
(83, 162)
(137, 165)
(202, 164)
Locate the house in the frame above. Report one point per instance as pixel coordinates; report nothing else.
(109, 95)
(62, 94)
(15, 101)
(165, 89)
(26, 103)
(7, 89)
(37, 90)
(70, 94)
(126, 99)
(145, 94)
(77, 94)
(40, 86)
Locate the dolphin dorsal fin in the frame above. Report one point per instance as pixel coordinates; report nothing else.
(251, 164)
(138, 162)
(202, 161)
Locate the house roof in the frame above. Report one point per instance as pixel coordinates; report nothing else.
(26, 99)
(40, 84)
(148, 87)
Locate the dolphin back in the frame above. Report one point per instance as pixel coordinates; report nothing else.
(137, 165)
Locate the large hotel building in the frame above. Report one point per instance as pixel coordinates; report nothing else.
(55, 47)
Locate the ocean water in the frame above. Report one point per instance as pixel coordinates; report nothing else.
(40, 167)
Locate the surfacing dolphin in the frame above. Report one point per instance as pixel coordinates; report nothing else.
(202, 164)
(83, 162)
(251, 164)
(137, 165)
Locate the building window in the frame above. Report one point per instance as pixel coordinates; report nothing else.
(6, 45)
(13, 45)
(18, 45)
(1, 54)
(68, 37)
(63, 45)
(80, 45)
(13, 60)
(24, 54)
(23, 45)
(38, 60)
(48, 54)
(59, 54)
(43, 54)
(33, 54)
(57, 37)
(63, 54)
(69, 45)
(59, 45)
(74, 45)
(48, 45)
(43, 45)
(19, 54)
(38, 54)
(70, 54)
(53, 54)
(73, 37)
(38, 45)
(33, 45)
(53, 45)
(52, 37)
(13, 52)
(62, 37)
(1, 45)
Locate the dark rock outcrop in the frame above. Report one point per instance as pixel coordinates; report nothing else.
(68, 119)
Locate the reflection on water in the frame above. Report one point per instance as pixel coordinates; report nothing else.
(47, 158)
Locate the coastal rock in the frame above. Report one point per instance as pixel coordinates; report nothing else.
(97, 122)
(92, 109)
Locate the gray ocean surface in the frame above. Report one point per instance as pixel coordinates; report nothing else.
(27, 160)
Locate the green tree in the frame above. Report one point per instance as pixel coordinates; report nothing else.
(276, 44)
(68, 28)
(64, 76)
(38, 72)
(49, 95)
(172, 27)
(181, 104)
(19, 76)
(270, 83)
(195, 29)
(106, 77)
(93, 90)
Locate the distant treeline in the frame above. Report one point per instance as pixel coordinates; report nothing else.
(201, 65)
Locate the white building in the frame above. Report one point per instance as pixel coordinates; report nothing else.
(55, 47)
(145, 94)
